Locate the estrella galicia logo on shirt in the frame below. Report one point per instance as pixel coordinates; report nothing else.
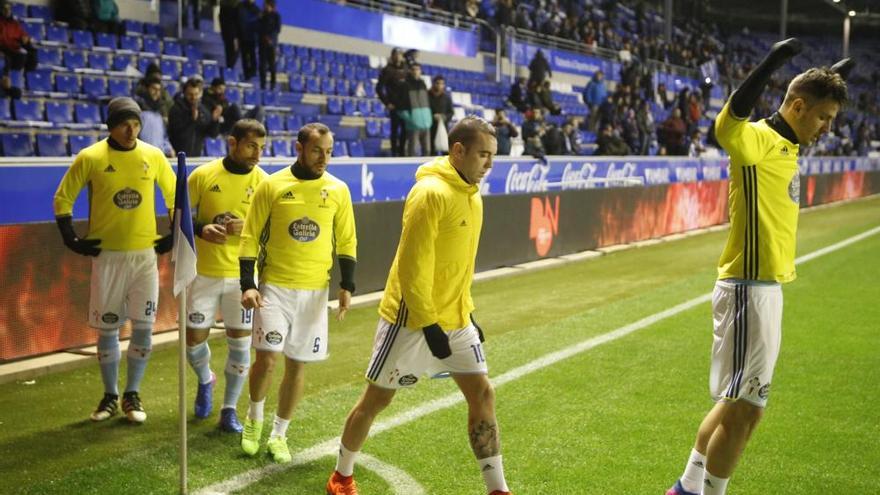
(127, 199)
(304, 230)
(794, 188)
(407, 380)
(109, 317)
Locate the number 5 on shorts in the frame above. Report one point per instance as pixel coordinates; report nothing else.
(317, 347)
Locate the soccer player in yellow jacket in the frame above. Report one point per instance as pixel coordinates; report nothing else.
(425, 324)
(297, 216)
(121, 173)
(764, 199)
(221, 192)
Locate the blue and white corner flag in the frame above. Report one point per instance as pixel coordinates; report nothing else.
(184, 252)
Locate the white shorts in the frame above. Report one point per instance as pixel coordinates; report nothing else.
(207, 295)
(125, 284)
(748, 331)
(401, 355)
(293, 321)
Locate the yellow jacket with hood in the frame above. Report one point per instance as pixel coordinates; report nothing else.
(430, 279)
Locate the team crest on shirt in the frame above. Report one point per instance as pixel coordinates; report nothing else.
(324, 195)
(764, 391)
(794, 188)
(304, 230)
(224, 217)
(127, 199)
(273, 337)
(407, 380)
(110, 318)
(196, 318)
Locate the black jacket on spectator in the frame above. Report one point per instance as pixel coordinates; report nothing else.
(388, 87)
(539, 68)
(442, 104)
(189, 135)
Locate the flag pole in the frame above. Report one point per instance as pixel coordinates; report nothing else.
(181, 366)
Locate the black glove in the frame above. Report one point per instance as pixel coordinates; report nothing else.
(85, 247)
(437, 340)
(844, 67)
(743, 100)
(164, 244)
(479, 330)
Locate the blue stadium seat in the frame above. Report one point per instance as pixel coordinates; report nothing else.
(281, 147)
(74, 59)
(119, 87)
(192, 52)
(5, 109)
(154, 29)
(215, 147)
(51, 145)
(233, 95)
(87, 113)
(79, 141)
(144, 62)
(106, 40)
(230, 74)
(39, 81)
(340, 148)
(28, 110)
(133, 26)
(297, 83)
(274, 123)
(17, 144)
(191, 68)
(335, 105)
(120, 62)
(328, 86)
(342, 87)
(251, 97)
(170, 68)
(349, 106)
(346, 133)
(356, 148)
(313, 84)
(370, 89)
(94, 86)
(386, 128)
(374, 128)
(210, 71)
(19, 10)
(301, 51)
(306, 110)
(129, 42)
(288, 50)
(59, 112)
(364, 107)
(57, 33)
(48, 56)
(267, 150)
(99, 61)
(67, 83)
(270, 98)
(40, 12)
(82, 39)
(36, 30)
(172, 87)
(172, 47)
(294, 122)
(151, 44)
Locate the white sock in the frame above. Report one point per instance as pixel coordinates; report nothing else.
(255, 410)
(713, 485)
(692, 479)
(279, 427)
(345, 461)
(493, 473)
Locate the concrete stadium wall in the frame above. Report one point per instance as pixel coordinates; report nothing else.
(138, 10)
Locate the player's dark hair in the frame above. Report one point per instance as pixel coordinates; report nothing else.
(816, 84)
(243, 127)
(305, 132)
(468, 129)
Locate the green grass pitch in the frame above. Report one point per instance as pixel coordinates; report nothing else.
(616, 419)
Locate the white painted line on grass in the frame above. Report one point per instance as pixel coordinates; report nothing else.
(401, 483)
(329, 447)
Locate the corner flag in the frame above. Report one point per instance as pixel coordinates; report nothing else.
(184, 252)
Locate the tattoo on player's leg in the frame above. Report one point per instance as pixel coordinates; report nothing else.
(484, 439)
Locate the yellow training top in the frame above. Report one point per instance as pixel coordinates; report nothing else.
(291, 228)
(764, 198)
(122, 203)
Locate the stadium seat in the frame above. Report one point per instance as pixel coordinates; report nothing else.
(39, 81)
(51, 145)
(349, 106)
(172, 87)
(251, 97)
(67, 83)
(19, 10)
(191, 68)
(233, 95)
(106, 40)
(57, 33)
(340, 148)
(274, 123)
(386, 128)
(74, 59)
(343, 87)
(171, 47)
(313, 85)
(132, 26)
(5, 109)
(79, 141)
(215, 147)
(151, 44)
(356, 148)
(40, 12)
(347, 133)
(230, 74)
(153, 28)
(297, 83)
(334, 105)
(99, 61)
(35, 29)
(129, 42)
(17, 144)
(210, 71)
(281, 147)
(59, 112)
(328, 86)
(82, 39)
(48, 55)
(363, 106)
(27, 110)
(270, 98)
(192, 52)
(374, 128)
(294, 122)
(121, 62)
(119, 87)
(94, 86)
(86, 113)
(170, 68)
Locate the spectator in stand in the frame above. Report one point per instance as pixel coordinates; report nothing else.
(608, 112)
(645, 122)
(539, 68)
(610, 144)
(231, 113)
(553, 141)
(441, 108)
(630, 130)
(249, 35)
(571, 139)
(107, 16)
(7, 90)
(518, 92)
(662, 97)
(594, 94)
(694, 112)
(533, 133)
(411, 57)
(15, 43)
(389, 89)
(672, 134)
(415, 110)
(270, 28)
(190, 121)
(695, 147)
(229, 30)
(142, 90)
(505, 15)
(153, 120)
(545, 98)
(76, 13)
(505, 131)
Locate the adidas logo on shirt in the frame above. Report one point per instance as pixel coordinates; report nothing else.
(216, 188)
(110, 168)
(463, 223)
(287, 195)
